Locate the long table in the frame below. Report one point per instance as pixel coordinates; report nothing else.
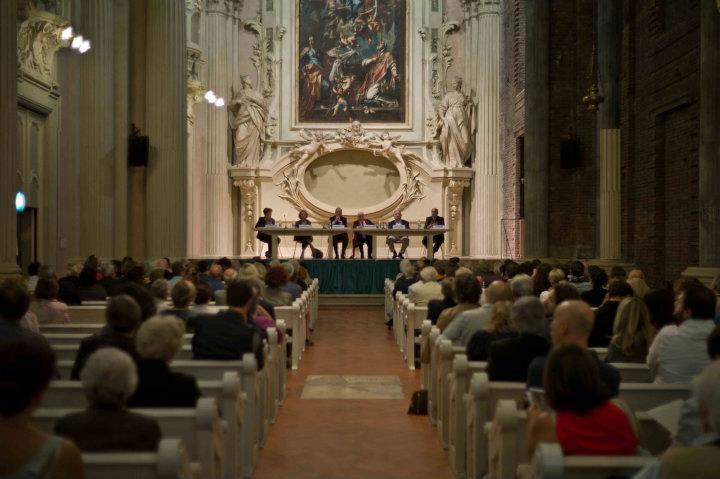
(276, 232)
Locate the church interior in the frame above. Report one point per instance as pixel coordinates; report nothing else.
(240, 237)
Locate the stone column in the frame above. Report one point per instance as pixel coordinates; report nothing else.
(97, 141)
(165, 101)
(488, 198)
(609, 38)
(537, 117)
(8, 138)
(217, 224)
(709, 152)
(454, 191)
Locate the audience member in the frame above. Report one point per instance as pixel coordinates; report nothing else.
(157, 342)
(183, 294)
(466, 324)
(660, 304)
(177, 268)
(228, 335)
(160, 290)
(596, 295)
(406, 277)
(203, 295)
(639, 286)
(33, 271)
(636, 274)
(291, 286)
(508, 359)
(572, 325)
(46, 306)
(109, 279)
(437, 306)
(584, 420)
(142, 297)
(109, 378)
(509, 270)
(68, 292)
(122, 316)
(541, 278)
(680, 356)
(426, 289)
(605, 314)
(466, 291)
(273, 292)
(632, 333)
(522, 285)
(213, 277)
(14, 308)
(562, 291)
(498, 327)
(27, 364)
(577, 276)
(617, 273)
(555, 276)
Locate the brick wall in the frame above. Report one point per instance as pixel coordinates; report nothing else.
(659, 122)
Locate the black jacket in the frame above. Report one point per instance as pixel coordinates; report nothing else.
(105, 338)
(603, 326)
(509, 359)
(478, 348)
(158, 386)
(262, 223)
(226, 336)
(437, 306)
(343, 220)
(403, 283)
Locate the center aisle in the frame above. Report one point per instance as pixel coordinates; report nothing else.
(351, 438)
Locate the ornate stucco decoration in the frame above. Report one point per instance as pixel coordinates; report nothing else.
(442, 58)
(262, 56)
(231, 8)
(192, 6)
(455, 189)
(290, 169)
(38, 40)
(194, 62)
(195, 92)
(248, 204)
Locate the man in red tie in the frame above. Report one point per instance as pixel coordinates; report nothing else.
(360, 239)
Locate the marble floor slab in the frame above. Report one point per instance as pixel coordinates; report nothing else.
(352, 387)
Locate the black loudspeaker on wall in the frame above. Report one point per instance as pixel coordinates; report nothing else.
(138, 148)
(569, 154)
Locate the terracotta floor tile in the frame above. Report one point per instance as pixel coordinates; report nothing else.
(351, 439)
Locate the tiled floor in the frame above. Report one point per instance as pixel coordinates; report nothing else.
(352, 438)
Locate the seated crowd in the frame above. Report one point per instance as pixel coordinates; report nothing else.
(126, 364)
(543, 325)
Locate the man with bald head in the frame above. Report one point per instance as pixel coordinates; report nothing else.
(461, 329)
(572, 324)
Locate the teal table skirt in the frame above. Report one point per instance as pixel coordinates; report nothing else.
(352, 276)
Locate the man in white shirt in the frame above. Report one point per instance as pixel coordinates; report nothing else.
(677, 355)
(404, 241)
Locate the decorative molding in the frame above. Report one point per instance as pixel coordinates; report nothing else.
(37, 41)
(475, 8)
(194, 62)
(248, 204)
(262, 55)
(455, 187)
(442, 59)
(231, 8)
(192, 6)
(195, 92)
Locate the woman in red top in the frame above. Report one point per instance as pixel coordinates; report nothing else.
(585, 421)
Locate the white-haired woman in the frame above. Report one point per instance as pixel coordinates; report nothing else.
(406, 278)
(157, 342)
(427, 288)
(109, 378)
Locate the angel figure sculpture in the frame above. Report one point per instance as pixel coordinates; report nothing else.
(315, 146)
(387, 148)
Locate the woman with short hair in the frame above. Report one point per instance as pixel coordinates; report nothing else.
(182, 295)
(633, 333)
(27, 364)
(275, 278)
(46, 306)
(109, 378)
(157, 342)
(554, 276)
(584, 420)
(498, 327)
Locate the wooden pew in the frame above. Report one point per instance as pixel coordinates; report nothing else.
(67, 352)
(414, 317)
(634, 372)
(389, 285)
(74, 339)
(169, 462)
(480, 405)
(646, 396)
(550, 463)
(425, 339)
(197, 428)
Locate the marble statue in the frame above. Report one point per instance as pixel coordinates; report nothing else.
(248, 114)
(453, 126)
(387, 147)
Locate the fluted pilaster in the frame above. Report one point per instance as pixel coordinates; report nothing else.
(97, 154)
(484, 28)
(8, 137)
(222, 34)
(166, 210)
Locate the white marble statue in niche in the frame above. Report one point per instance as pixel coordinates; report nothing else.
(454, 127)
(248, 114)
